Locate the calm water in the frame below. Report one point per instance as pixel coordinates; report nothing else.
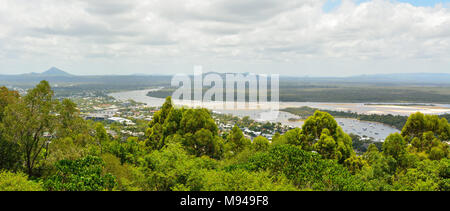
(370, 129)
(375, 130)
(379, 108)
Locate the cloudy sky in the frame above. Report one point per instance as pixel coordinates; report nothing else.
(290, 37)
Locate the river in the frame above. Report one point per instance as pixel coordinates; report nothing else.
(375, 130)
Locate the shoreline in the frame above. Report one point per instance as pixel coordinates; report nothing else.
(380, 108)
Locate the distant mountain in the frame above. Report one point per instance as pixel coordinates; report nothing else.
(55, 75)
(55, 72)
(52, 72)
(60, 77)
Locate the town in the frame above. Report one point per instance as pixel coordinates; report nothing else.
(123, 119)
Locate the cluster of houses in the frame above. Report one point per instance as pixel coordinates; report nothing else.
(124, 133)
(248, 133)
(123, 114)
(116, 114)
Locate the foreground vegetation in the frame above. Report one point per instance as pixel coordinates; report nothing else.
(46, 145)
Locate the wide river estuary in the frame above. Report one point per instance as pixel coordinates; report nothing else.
(375, 130)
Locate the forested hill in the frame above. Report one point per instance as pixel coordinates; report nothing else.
(292, 91)
(46, 145)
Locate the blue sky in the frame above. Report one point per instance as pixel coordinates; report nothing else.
(331, 4)
(420, 2)
(423, 2)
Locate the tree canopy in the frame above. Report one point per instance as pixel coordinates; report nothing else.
(45, 144)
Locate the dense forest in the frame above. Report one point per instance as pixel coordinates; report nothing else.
(46, 145)
(300, 91)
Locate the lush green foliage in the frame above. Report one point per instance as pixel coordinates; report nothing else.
(183, 149)
(307, 170)
(84, 174)
(361, 145)
(17, 182)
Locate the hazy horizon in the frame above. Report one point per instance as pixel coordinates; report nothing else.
(314, 38)
(207, 72)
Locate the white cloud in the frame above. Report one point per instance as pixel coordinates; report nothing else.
(293, 37)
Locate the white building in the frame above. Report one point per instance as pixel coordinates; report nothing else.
(121, 120)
